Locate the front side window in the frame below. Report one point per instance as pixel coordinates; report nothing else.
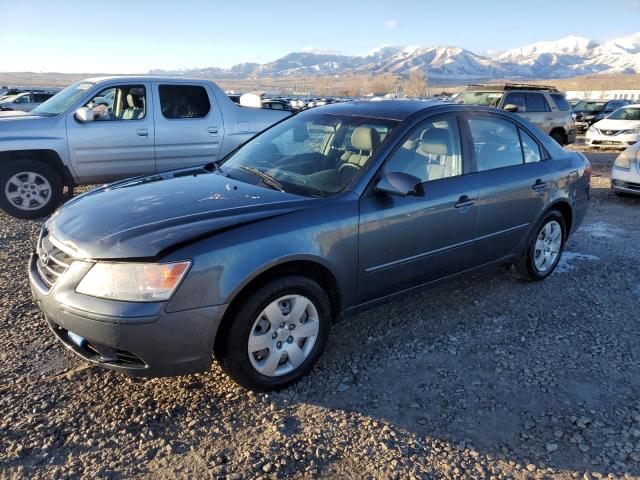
(518, 99)
(490, 99)
(311, 154)
(496, 142)
(23, 99)
(537, 103)
(123, 102)
(184, 101)
(430, 152)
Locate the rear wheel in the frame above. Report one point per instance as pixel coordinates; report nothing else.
(277, 336)
(29, 189)
(544, 248)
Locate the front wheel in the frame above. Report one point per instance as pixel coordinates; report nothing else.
(559, 137)
(29, 189)
(544, 248)
(277, 335)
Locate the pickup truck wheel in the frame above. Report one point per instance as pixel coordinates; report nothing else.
(544, 249)
(29, 189)
(277, 336)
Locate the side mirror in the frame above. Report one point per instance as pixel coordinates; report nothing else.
(399, 183)
(84, 115)
(510, 107)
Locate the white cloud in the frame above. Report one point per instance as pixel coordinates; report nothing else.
(392, 24)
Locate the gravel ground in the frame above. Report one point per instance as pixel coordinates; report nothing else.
(486, 377)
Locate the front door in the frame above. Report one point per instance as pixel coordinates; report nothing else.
(514, 184)
(189, 127)
(118, 142)
(409, 241)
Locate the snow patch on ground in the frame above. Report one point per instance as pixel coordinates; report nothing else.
(566, 261)
(602, 230)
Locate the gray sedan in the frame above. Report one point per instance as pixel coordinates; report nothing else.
(328, 212)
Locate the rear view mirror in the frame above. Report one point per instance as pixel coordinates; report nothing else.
(399, 183)
(510, 107)
(84, 114)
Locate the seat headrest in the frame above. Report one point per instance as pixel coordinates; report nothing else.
(365, 138)
(435, 141)
(130, 100)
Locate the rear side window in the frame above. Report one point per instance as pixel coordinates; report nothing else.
(537, 103)
(184, 101)
(561, 102)
(530, 148)
(496, 143)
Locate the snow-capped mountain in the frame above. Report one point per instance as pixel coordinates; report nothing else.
(566, 57)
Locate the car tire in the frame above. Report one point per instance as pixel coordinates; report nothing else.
(255, 324)
(38, 177)
(542, 251)
(559, 137)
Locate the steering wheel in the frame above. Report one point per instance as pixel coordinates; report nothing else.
(346, 165)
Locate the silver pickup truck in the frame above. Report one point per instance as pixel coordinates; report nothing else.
(103, 129)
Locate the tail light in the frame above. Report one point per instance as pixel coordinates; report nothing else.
(588, 171)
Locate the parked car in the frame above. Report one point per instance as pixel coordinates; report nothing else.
(78, 137)
(589, 112)
(625, 175)
(620, 129)
(24, 102)
(276, 104)
(254, 257)
(544, 106)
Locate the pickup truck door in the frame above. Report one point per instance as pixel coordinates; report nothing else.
(189, 126)
(118, 143)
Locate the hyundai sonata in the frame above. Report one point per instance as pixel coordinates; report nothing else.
(335, 209)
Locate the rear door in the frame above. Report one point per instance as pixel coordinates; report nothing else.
(409, 241)
(119, 142)
(189, 126)
(514, 181)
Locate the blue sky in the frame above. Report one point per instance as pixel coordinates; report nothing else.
(133, 36)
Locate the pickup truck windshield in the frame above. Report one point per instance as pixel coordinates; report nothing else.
(314, 155)
(490, 99)
(62, 100)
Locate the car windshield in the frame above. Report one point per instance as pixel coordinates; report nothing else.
(62, 100)
(590, 106)
(625, 113)
(490, 99)
(312, 154)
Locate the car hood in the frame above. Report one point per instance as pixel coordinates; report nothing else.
(608, 124)
(13, 113)
(141, 217)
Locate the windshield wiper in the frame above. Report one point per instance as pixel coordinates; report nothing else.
(265, 177)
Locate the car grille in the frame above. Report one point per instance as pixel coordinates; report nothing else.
(609, 133)
(52, 261)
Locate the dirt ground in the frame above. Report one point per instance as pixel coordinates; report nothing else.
(485, 377)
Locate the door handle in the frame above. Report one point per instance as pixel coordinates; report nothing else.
(464, 201)
(143, 132)
(539, 185)
(213, 130)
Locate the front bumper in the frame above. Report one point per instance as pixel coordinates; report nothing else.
(626, 180)
(596, 139)
(140, 339)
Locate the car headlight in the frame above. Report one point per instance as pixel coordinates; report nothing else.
(133, 282)
(630, 130)
(625, 158)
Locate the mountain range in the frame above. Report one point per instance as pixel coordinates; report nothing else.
(567, 57)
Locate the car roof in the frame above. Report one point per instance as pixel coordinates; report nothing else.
(387, 109)
(144, 78)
